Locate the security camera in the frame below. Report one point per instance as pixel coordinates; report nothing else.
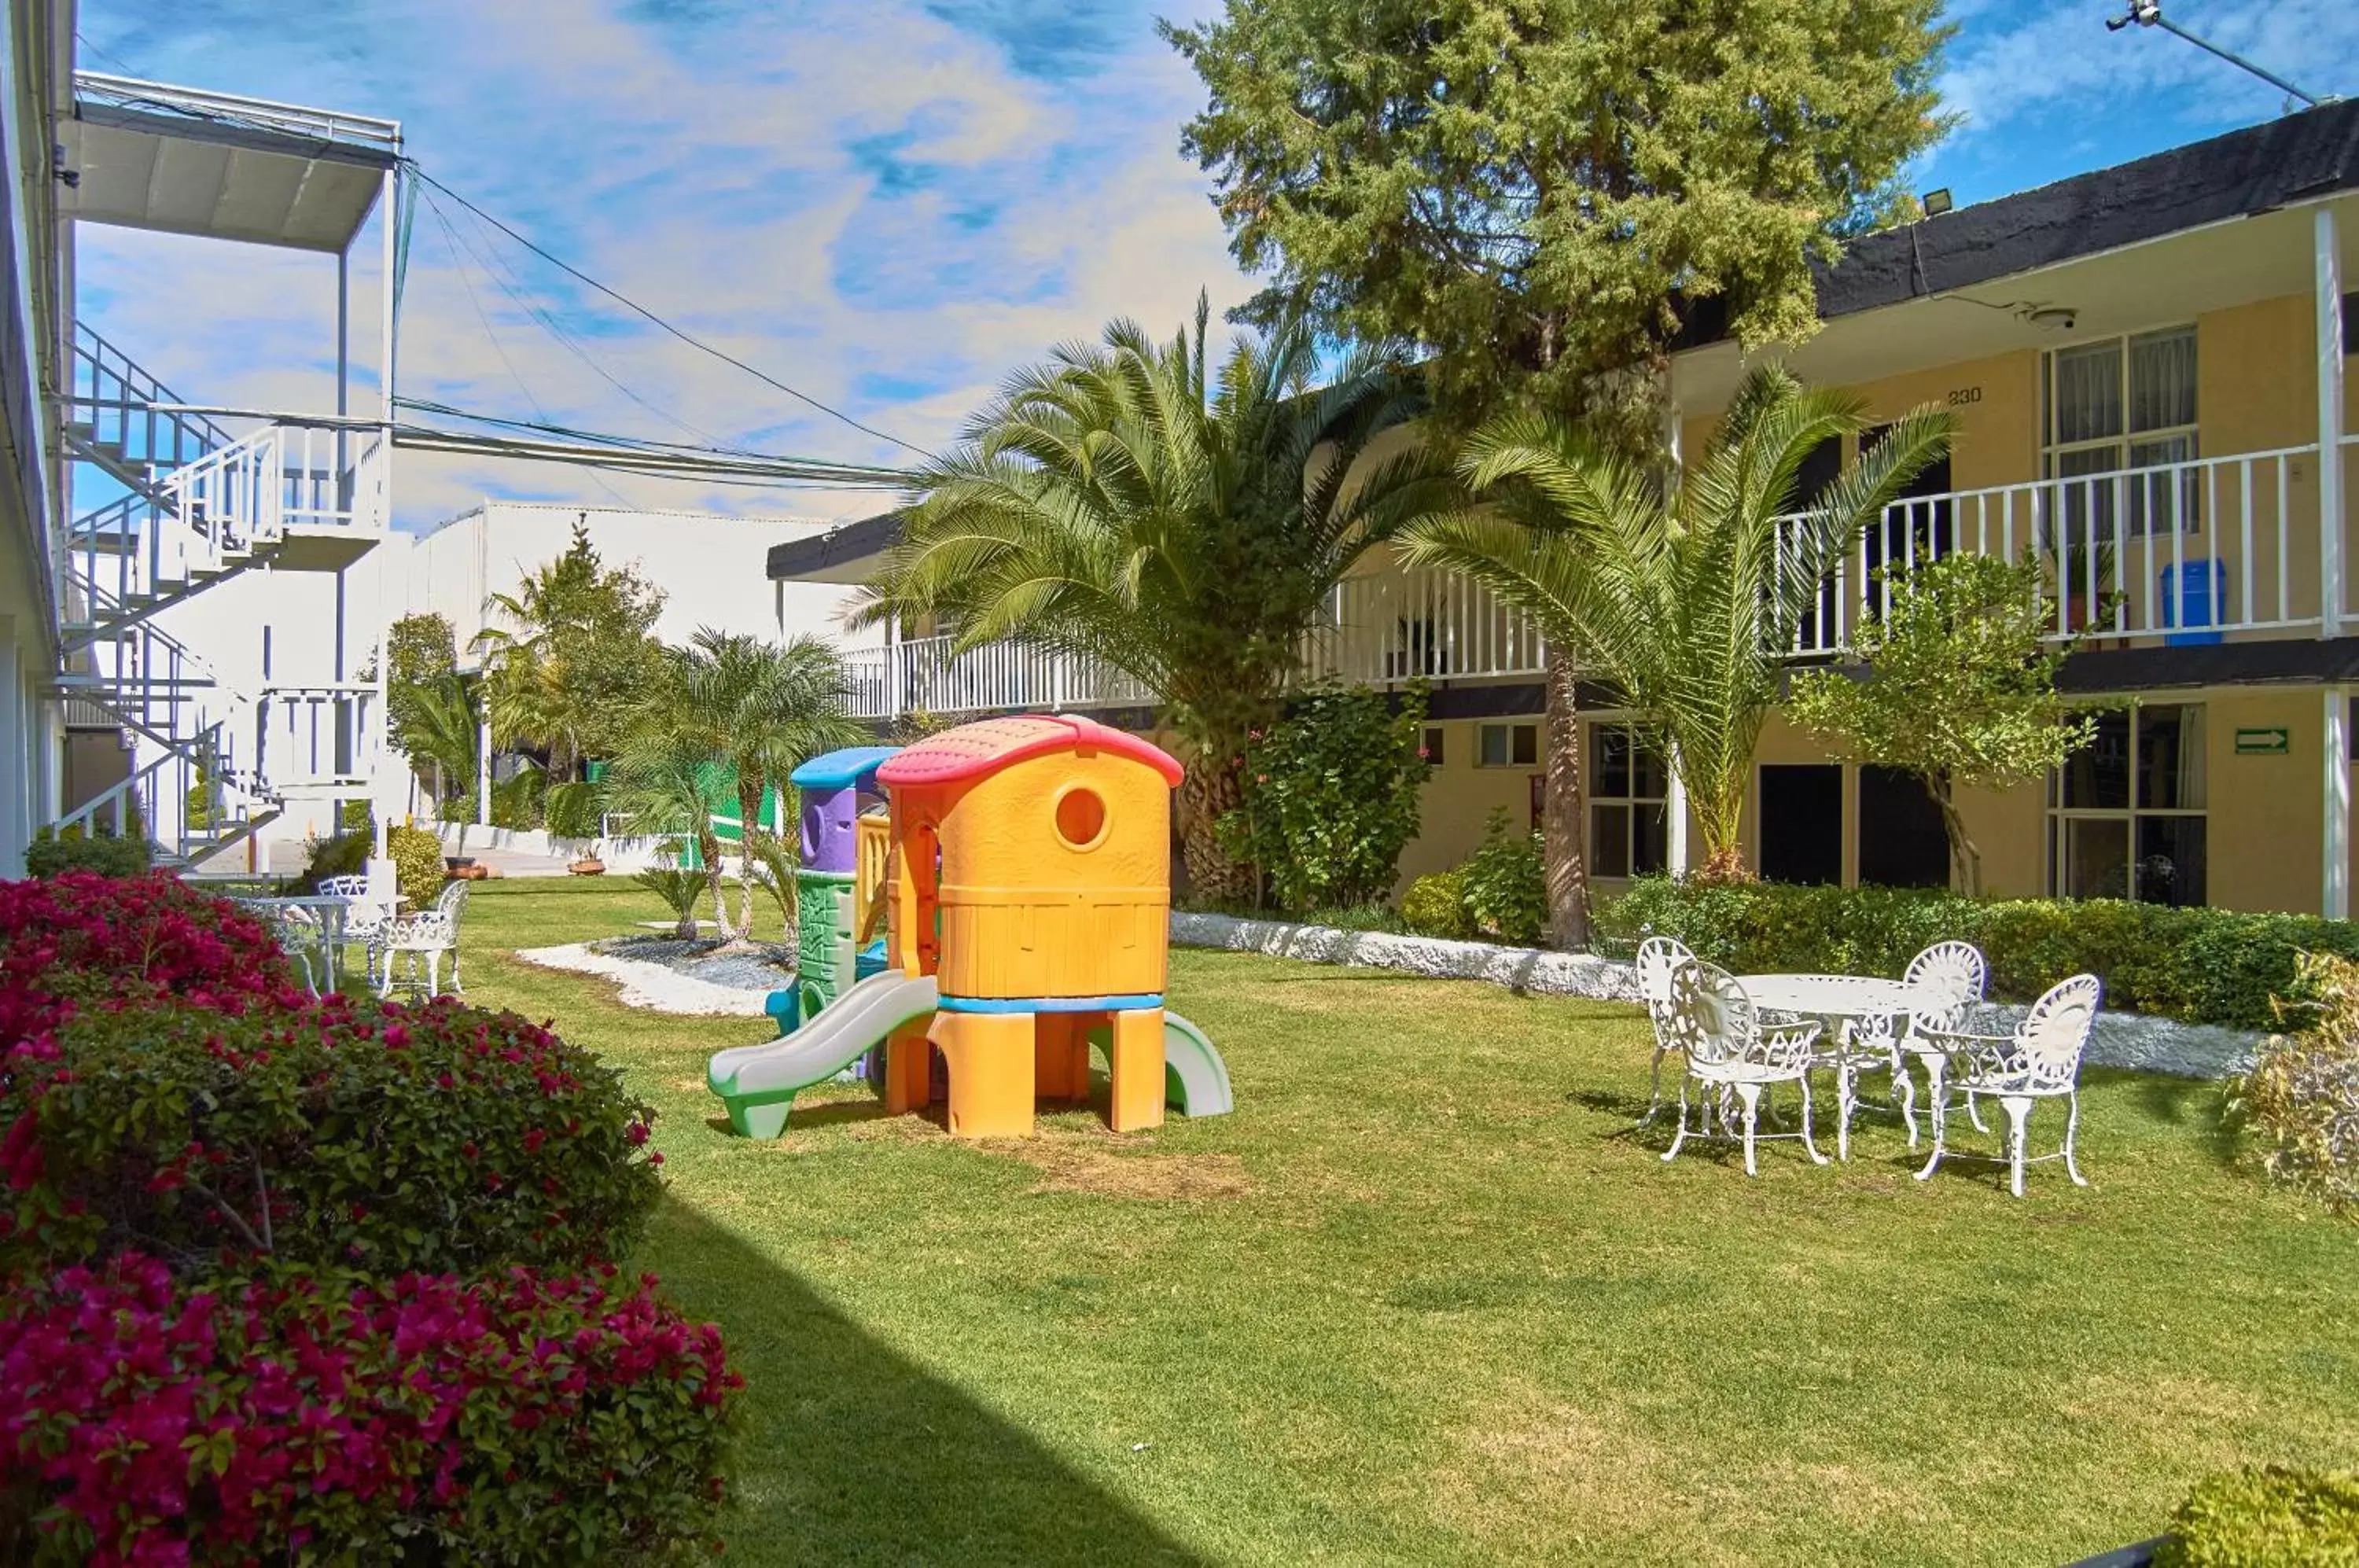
(2144, 12)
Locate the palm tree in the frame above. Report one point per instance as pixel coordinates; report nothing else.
(761, 710)
(1119, 504)
(437, 721)
(660, 782)
(1687, 602)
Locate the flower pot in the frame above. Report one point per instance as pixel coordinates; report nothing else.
(588, 866)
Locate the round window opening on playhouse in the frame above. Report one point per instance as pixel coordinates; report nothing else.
(1081, 817)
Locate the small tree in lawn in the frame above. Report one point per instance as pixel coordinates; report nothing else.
(1960, 689)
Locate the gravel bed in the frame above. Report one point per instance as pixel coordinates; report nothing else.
(767, 969)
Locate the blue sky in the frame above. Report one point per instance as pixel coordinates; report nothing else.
(888, 203)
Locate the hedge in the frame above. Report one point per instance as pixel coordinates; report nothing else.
(2269, 1517)
(438, 1137)
(2211, 966)
(329, 1419)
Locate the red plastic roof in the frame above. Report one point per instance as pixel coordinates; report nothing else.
(989, 745)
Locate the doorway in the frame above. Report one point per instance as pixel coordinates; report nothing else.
(1903, 842)
(1802, 822)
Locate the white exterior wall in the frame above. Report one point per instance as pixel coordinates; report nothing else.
(710, 567)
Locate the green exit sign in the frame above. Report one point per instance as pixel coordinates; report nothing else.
(2263, 743)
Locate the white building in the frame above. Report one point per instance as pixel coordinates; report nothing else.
(700, 560)
(128, 509)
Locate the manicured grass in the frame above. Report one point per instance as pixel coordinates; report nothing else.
(1428, 1297)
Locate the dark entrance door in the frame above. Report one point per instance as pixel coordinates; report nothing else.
(1801, 822)
(1902, 842)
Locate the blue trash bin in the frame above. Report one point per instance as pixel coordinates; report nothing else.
(2194, 593)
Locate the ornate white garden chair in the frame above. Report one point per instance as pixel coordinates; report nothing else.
(2041, 1061)
(363, 920)
(1728, 1047)
(425, 937)
(1960, 969)
(298, 934)
(1660, 958)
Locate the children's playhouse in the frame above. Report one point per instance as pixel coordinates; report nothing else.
(1020, 869)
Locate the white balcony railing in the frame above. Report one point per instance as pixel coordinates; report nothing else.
(929, 675)
(2180, 552)
(312, 737)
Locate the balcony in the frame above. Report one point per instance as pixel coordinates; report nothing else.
(929, 675)
(2180, 553)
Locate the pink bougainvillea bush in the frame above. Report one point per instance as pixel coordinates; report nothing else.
(289, 1280)
(369, 1135)
(516, 1419)
(80, 939)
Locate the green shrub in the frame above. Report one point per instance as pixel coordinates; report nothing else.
(354, 817)
(2216, 966)
(680, 888)
(2302, 1095)
(1435, 905)
(418, 866)
(1332, 796)
(345, 855)
(50, 854)
(1506, 885)
(372, 1136)
(515, 801)
(2270, 1518)
(573, 811)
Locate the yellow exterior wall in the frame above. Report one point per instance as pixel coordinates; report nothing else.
(2267, 813)
(1458, 796)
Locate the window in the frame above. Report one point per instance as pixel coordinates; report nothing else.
(2127, 813)
(1627, 820)
(2114, 407)
(1508, 745)
(1432, 747)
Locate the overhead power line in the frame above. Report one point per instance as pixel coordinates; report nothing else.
(634, 306)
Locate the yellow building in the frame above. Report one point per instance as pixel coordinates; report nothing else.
(2146, 367)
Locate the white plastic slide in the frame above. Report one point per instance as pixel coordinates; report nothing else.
(1195, 1078)
(759, 1082)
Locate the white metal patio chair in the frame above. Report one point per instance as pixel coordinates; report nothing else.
(1959, 968)
(2041, 1061)
(1660, 958)
(425, 936)
(299, 935)
(1727, 1047)
(363, 920)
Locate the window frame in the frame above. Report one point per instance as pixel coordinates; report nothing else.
(2133, 813)
(1511, 730)
(2145, 518)
(1627, 804)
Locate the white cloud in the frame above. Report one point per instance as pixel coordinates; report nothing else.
(868, 201)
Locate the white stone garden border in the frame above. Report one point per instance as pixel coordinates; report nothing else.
(654, 987)
(2124, 1040)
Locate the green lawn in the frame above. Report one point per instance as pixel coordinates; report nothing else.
(1426, 1297)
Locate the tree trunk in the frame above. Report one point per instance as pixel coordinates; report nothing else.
(748, 805)
(708, 845)
(1966, 858)
(1214, 786)
(1561, 836)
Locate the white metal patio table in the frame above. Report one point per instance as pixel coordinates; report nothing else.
(316, 921)
(1864, 1016)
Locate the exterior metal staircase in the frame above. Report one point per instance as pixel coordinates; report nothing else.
(196, 504)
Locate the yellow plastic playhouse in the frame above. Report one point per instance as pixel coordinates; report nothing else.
(1027, 909)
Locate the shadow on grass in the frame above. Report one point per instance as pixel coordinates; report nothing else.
(853, 1453)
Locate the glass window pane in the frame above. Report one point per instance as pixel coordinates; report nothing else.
(1528, 745)
(2170, 758)
(2089, 507)
(1650, 774)
(2097, 777)
(1649, 839)
(1609, 840)
(2153, 508)
(2170, 860)
(2096, 857)
(2088, 392)
(1609, 756)
(1494, 746)
(2162, 380)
